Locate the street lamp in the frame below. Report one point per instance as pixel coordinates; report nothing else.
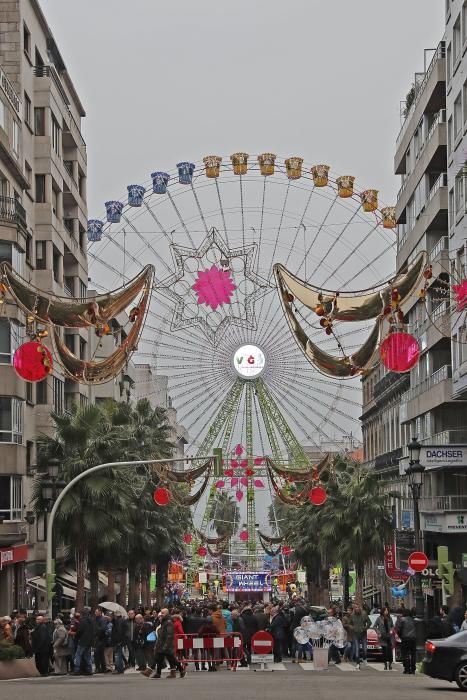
(51, 485)
(415, 472)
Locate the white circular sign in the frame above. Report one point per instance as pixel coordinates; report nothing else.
(249, 361)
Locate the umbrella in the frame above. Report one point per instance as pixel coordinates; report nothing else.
(114, 607)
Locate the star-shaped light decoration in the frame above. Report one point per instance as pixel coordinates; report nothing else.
(460, 292)
(214, 286)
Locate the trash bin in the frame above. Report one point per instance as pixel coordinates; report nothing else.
(320, 658)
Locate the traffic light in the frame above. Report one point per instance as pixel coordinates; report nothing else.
(50, 586)
(446, 573)
(217, 452)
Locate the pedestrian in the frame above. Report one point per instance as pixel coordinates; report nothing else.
(118, 641)
(129, 633)
(85, 635)
(277, 625)
(60, 648)
(208, 629)
(405, 628)
(99, 645)
(140, 642)
(238, 625)
(23, 636)
(108, 646)
(41, 644)
(218, 619)
(349, 635)
(251, 627)
(164, 648)
(262, 618)
(6, 631)
(383, 627)
(360, 622)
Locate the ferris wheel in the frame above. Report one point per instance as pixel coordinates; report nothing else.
(215, 324)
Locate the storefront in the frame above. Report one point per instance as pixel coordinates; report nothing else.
(12, 578)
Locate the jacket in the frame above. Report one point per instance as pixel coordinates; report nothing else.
(219, 621)
(380, 627)
(228, 620)
(193, 623)
(129, 629)
(119, 632)
(165, 637)
(277, 626)
(405, 627)
(85, 632)
(360, 623)
(251, 624)
(346, 623)
(262, 620)
(23, 639)
(140, 634)
(60, 641)
(41, 639)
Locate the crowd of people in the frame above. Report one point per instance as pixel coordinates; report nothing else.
(101, 642)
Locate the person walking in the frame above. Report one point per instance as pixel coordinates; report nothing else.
(108, 646)
(85, 634)
(277, 626)
(251, 627)
(348, 654)
(60, 648)
(238, 626)
(405, 628)
(141, 646)
(23, 636)
(129, 634)
(360, 622)
(41, 643)
(99, 645)
(383, 627)
(164, 648)
(119, 639)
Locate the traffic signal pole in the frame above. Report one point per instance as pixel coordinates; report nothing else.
(50, 561)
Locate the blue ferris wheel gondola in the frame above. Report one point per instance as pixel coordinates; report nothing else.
(94, 230)
(135, 195)
(159, 182)
(114, 210)
(185, 172)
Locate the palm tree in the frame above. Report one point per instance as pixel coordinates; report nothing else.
(225, 515)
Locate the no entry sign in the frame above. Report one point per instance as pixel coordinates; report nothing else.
(418, 561)
(261, 648)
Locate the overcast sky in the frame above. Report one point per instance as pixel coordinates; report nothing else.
(169, 81)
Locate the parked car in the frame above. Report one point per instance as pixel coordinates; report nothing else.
(374, 649)
(447, 659)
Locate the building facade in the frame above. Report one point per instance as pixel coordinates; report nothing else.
(43, 221)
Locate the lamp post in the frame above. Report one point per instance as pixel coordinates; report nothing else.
(51, 487)
(415, 472)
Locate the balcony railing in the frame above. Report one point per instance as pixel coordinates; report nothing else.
(439, 118)
(443, 503)
(441, 181)
(454, 436)
(440, 375)
(12, 211)
(442, 244)
(391, 382)
(440, 53)
(50, 72)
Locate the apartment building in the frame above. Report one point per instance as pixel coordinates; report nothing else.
(423, 403)
(43, 220)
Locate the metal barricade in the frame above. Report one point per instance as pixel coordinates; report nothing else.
(209, 648)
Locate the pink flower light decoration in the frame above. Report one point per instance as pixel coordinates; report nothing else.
(233, 463)
(220, 484)
(239, 495)
(257, 461)
(214, 287)
(234, 482)
(460, 291)
(229, 472)
(238, 450)
(244, 481)
(244, 463)
(259, 483)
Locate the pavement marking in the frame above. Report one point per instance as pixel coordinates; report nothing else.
(380, 667)
(307, 666)
(345, 666)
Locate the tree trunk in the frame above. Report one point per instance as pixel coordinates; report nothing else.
(162, 572)
(94, 583)
(123, 586)
(345, 585)
(145, 594)
(359, 579)
(81, 563)
(133, 581)
(111, 585)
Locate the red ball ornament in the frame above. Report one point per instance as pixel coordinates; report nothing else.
(286, 550)
(202, 551)
(317, 496)
(399, 352)
(161, 496)
(244, 536)
(188, 538)
(32, 361)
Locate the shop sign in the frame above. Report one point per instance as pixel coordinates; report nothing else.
(13, 555)
(443, 456)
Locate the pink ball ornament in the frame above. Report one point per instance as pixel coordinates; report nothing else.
(32, 361)
(399, 352)
(244, 536)
(202, 551)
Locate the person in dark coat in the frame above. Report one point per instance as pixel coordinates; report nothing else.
(164, 648)
(22, 638)
(41, 645)
(85, 634)
(143, 648)
(277, 627)
(262, 617)
(119, 637)
(251, 627)
(99, 646)
(405, 628)
(208, 629)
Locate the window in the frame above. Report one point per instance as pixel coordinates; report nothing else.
(451, 209)
(55, 135)
(457, 115)
(27, 109)
(39, 121)
(29, 392)
(40, 189)
(11, 420)
(39, 62)
(56, 262)
(41, 392)
(82, 291)
(459, 196)
(58, 395)
(29, 452)
(10, 497)
(28, 172)
(68, 285)
(26, 40)
(82, 349)
(456, 40)
(464, 22)
(448, 64)
(41, 255)
(450, 135)
(29, 249)
(2, 116)
(15, 138)
(9, 252)
(11, 337)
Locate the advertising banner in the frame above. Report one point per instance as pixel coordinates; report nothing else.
(255, 582)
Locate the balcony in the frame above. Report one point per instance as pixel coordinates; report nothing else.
(431, 392)
(12, 212)
(443, 504)
(70, 126)
(389, 385)
(454, 436)
(388, 459)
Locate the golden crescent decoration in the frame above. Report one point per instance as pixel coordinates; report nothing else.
(352, 306)
(297, 474)
(66, 312)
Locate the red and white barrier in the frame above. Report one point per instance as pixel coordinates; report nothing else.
(208, 646)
